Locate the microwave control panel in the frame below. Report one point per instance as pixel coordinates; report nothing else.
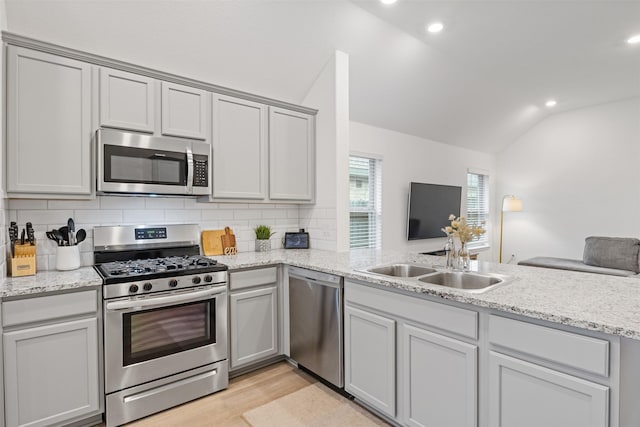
(200, 171)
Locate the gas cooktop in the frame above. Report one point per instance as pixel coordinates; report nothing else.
(132, 253)
(130, 270)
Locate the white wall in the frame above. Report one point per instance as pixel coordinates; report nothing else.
(407, 158)
(578, 174)
(327, 221)
(113, 210)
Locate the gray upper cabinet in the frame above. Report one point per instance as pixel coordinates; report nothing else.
(239, 148)
(48, 124)
(291, 155)
(185, 111)
(127, 101)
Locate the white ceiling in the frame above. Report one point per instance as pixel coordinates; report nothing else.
(481, 83)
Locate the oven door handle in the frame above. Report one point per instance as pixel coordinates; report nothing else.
(162, 301)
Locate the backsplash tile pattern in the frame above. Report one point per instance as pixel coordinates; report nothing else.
(321, 225)
(118, 210)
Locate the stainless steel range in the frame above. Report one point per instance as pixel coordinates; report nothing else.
(165, 319)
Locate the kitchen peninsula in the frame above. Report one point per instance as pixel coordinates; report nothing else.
(556, 333)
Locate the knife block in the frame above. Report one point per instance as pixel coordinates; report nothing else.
(24, 261)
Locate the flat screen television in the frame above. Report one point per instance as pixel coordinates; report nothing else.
(429, 208)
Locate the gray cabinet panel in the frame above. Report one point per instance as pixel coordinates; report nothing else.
(440, 379)
(254, 325)
(577, 351)
(185, 111)
(239, 148)
(127, 100)
(48, 124)
(523, 394)
(51, 373)
(370, 358)
(291, 155)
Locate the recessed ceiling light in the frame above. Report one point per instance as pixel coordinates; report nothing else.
(550, 103)
(633, 40)
(435, 27)
(388, 1)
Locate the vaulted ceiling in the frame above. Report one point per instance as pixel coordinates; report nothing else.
(480, 83)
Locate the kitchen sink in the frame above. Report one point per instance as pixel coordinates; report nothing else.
(472, 282)
(401, 270)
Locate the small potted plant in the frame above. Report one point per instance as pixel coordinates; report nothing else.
(263, 234)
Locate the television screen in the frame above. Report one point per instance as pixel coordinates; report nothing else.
(429, 208)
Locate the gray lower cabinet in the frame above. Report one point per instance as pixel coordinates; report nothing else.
(523, 394)
(51, 367)
(370, 358)
(439, 375)
(253, 315)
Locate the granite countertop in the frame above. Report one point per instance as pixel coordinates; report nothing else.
(589, 301)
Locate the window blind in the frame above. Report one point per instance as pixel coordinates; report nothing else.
(365, 202)
(478, 205)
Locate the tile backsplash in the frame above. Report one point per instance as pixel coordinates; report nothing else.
(116, 210)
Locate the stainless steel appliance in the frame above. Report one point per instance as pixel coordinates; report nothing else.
(316, 323)
(165, 319)
(146, 164)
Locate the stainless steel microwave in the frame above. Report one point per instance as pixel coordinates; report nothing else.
(144, 164)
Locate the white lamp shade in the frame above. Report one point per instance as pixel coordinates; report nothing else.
(511, 204)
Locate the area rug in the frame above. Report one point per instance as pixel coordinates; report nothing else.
(315, 406)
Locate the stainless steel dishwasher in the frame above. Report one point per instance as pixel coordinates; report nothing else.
(316, 323)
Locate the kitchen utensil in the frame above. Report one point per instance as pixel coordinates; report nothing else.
(59, 236)
(51, 236)
(72, 231)
(229, 242)
(13, 237)
(31, 234)
(64, 233)
(81, 235)
(22, 236)
(212, 242)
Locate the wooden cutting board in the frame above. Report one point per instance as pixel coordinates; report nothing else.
(229, 242)
(212, 242)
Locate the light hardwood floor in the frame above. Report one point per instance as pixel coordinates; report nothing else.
(225, 408)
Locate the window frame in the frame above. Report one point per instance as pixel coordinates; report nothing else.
(373, 209)
(475, 216)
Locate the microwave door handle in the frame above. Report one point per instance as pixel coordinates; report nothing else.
(189, 171)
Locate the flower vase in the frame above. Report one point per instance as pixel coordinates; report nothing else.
(463, 257)
(263, 245)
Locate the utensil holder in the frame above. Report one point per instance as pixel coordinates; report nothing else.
(67, 258)
(24, 261)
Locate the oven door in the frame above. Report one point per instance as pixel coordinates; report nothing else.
(151, 337)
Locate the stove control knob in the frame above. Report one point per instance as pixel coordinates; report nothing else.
(208, 278)
(173, 283)
(133, 289)
(147, 286)
(196, 280)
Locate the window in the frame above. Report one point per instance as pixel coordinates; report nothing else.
(478, 204)
(365, 202)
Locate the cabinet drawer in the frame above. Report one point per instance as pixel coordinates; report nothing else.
(249, 278)
(48, 307)
(573, 350)
(444, 317)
